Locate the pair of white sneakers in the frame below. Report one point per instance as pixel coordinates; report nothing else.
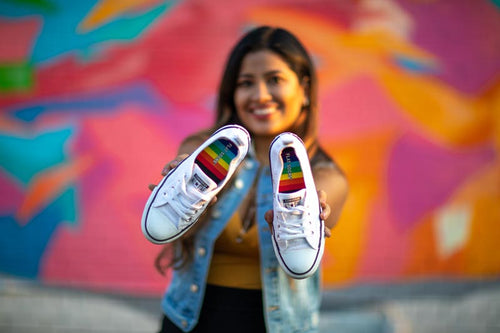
(184, 193)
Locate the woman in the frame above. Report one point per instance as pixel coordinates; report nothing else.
(226, 277)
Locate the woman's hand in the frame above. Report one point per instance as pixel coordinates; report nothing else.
(325, 210)
(325, 213)
(169, 166)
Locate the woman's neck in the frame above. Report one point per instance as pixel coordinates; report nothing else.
(261, 145)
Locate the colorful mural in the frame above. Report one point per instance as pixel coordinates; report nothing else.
(96, 95)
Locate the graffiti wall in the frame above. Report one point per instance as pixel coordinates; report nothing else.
(95, 97)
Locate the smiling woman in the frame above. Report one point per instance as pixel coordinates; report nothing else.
(227, 277)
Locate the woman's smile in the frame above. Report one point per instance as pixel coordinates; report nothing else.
(263, 111)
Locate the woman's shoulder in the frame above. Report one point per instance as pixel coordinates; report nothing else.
(327, 172)
(193, 141)
(321, 160)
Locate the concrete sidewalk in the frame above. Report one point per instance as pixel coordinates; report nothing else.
(28, 307)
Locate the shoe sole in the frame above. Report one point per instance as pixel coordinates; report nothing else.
(292, 177)
(215, 159)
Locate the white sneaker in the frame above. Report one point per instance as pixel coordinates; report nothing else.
(185, 192)
(298, 232)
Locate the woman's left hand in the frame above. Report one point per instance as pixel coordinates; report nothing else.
(325, 213)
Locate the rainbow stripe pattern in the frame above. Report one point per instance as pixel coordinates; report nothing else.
(291, 179)
(214, 160)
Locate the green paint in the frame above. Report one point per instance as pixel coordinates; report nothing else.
(44, 5)
(16, 77)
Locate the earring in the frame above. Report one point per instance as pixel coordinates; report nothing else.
(305, 104)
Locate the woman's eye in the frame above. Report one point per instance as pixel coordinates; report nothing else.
(274, 79)
(244, 83)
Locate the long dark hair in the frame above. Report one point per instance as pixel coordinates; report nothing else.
(289, 48)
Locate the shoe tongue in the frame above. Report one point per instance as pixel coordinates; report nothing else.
(294, 199)
(201, 181)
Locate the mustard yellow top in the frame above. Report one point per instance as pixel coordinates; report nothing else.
(236, 263)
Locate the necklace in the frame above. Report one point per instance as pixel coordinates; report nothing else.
(248, 220)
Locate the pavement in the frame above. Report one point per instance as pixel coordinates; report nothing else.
(428, 307)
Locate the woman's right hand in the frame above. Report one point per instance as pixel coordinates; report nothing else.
(169, 166)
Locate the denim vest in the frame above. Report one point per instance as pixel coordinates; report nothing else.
(289, 305)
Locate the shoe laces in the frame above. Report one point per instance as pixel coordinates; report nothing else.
(186, 203)
(291, 224)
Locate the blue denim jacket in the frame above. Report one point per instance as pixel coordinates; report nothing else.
(288, 306)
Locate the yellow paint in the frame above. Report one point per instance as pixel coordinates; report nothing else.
(106, 10)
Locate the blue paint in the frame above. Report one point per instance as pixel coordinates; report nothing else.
(60, 36)
(414, 65)
(85, 103)
(24, 157)
(22, 246)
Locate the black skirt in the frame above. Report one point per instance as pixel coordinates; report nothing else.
(226, 310)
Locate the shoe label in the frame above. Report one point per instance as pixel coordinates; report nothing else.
(199, 183)
(291, 202)
(288, 164)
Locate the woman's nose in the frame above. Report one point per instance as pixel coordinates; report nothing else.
(262, 92)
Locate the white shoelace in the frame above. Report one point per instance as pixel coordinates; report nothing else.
(185, 204)
(291, 224)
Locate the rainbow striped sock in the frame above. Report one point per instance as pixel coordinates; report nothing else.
(214, 160)
(291, 179)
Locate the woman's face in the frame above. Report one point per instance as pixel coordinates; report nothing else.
(268, 95)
